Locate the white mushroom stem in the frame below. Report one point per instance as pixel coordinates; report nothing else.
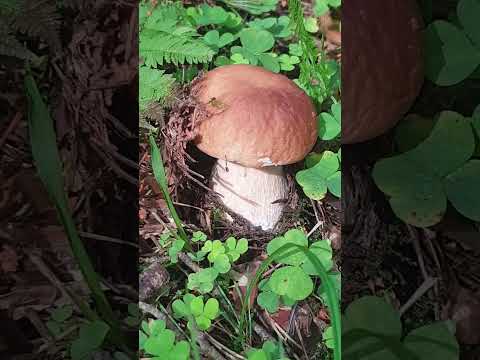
(258, 195)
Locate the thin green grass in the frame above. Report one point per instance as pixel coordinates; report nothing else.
(49, 168)
(161, 178)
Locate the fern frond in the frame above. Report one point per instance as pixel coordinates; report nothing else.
(167, 37)
(38, 19)
(155, 86)
(176, 49)
(313, 70)
(10, 46)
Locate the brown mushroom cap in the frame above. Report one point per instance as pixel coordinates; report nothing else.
(256, 118)
(382, 65)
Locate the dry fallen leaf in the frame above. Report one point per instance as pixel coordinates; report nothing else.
(8, 259)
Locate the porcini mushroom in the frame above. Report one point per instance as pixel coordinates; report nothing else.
(257, 122)
(382, 65)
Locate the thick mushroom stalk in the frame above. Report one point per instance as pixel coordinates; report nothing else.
(258, 195)
(258, 121)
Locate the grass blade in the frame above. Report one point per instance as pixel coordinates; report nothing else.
(47, 161)
(161, 177)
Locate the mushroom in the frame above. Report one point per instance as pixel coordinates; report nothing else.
(382, 64)
(257, 121)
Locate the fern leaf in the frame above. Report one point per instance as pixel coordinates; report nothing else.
(155, 86)
(37, 19)
(164, 48)
(10, 46)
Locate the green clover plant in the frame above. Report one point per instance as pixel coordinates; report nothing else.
(256, 44)
(323, 175)
(194, 306)
(270, 351)
(90, 339)
(330, 123)
(292, 283)
(372, 330)
(158, 341)
(420, 181)
(453, 52)
(320, 7)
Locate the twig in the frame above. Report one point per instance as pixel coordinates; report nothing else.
(426, 285)
(317, 225)
(13, 124)
(106, 238)
(418, 251)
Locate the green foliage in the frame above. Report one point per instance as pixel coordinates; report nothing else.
(222, 255)
(255, 7)
(59, 319)
(323, 175)
(278, 27)
(193, 306)
(155, 339)
(320, 7)
(372, 330)
(420, 181)
(329, 124)
(203, 281)
(155, 86)
(453, 52)
(90, 339)
(255, 46)
(166, 36)
(49, 168)
(133, 318)
(35, 19)
(270, 351)
(318, 77)
(292, 283)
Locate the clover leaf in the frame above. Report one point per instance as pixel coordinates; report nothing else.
(236, 248)
(295, 237)
(295, 49)
(176, 247)
(450, 55)
(419, 181)
(321, 177)
(90, 339)
(215, 41)
(208, 15)
(255, 44)
(292, 282)
(320, 7)
(329, 124)
(468, 12)
(278, 27)
(202, 281)
(323, 251)
(269, 301)
(155, 339)
(311, 25)
(270, 351)
(288, 62)
(371, 323)
(199, 236)
(194, 306)
(238, 59)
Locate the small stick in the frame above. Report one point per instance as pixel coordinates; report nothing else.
(426, 285)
